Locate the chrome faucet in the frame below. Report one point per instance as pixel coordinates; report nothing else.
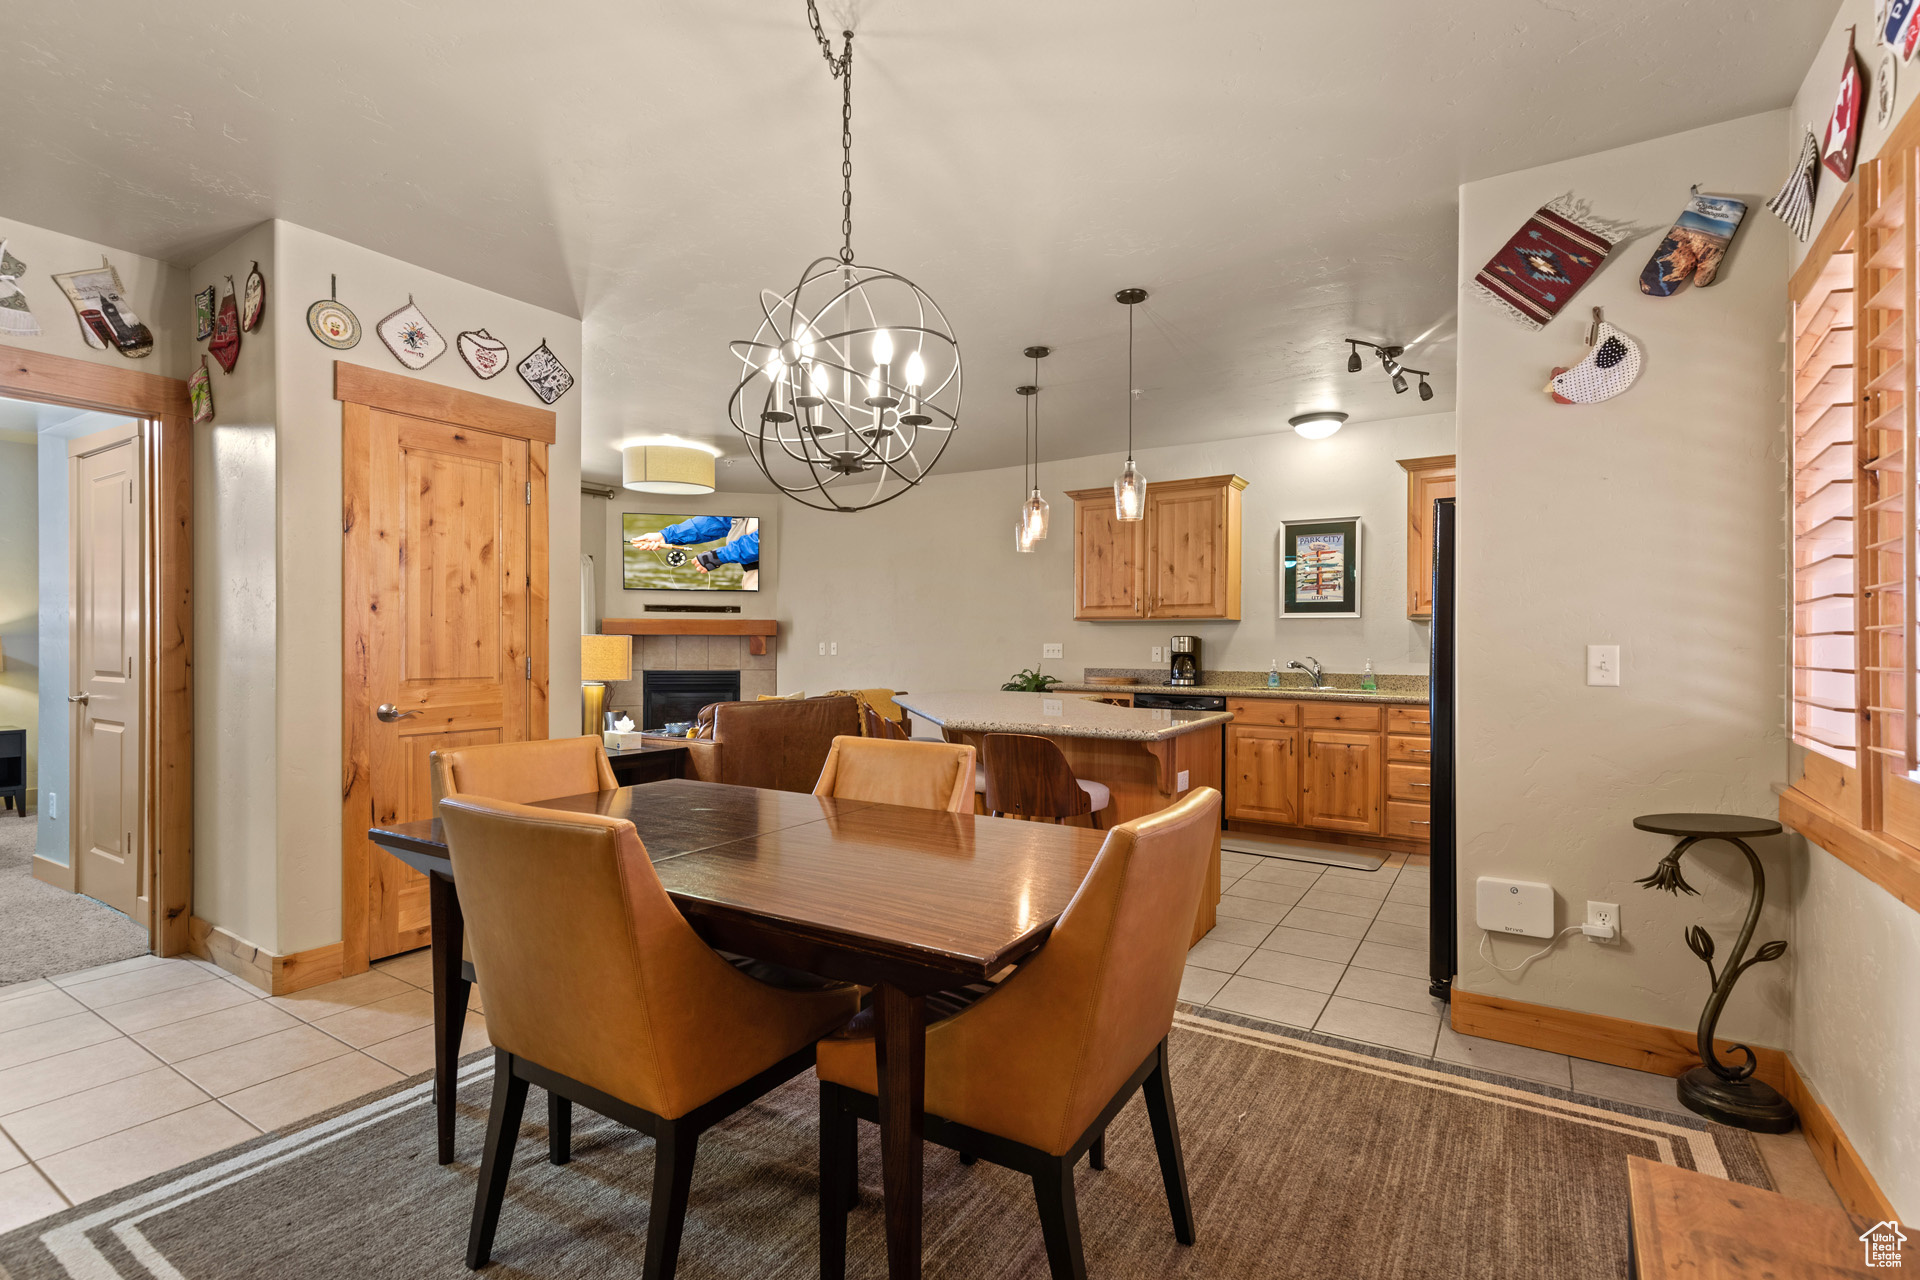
(1312, 667)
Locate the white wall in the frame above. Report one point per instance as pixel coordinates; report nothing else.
(928, 593)
(307, 606)
(156, 290)
(1654, 522)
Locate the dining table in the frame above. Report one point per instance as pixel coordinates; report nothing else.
(906, 901)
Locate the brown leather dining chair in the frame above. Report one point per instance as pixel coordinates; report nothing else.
(1027, 776)
(1031, 1074)
(600, 992)
(523, 773)
(921, 775)
(778, 745)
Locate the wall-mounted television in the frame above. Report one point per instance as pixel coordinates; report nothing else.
(690, 553)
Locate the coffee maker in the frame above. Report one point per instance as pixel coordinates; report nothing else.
(1185, 651)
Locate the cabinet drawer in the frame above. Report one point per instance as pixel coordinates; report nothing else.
(1408, 720)
(1341, 715)
(1408, 782)
(1264, 711)
(1412, 750)
(1407, 819)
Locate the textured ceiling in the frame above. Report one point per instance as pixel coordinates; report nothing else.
(1278, 175)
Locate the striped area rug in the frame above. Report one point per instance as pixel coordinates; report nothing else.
(1308, 1157)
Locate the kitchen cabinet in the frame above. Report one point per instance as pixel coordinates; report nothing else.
(1340, 781)
(1427, 479)
(1349, 767)
(1263, 773)
(1182, 561)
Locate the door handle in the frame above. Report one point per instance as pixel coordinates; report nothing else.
(387, 713)
(78, 697)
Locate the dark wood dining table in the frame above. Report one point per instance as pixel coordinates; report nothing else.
(906, 901)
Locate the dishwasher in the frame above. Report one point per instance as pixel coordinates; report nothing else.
(1180, 701)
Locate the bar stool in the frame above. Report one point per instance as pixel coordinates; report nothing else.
(1027, 776)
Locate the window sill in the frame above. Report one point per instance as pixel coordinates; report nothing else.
(1889, 863)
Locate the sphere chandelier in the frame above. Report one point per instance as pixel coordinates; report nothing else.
(849, 389)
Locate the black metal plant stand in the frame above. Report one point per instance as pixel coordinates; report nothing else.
(1730, 1095)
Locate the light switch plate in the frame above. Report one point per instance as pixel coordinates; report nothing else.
(1052, 707)
(823, 648)
(1603, 664)
(833, 648)
(1514, 906)
(1156, 653)
(1053, 651)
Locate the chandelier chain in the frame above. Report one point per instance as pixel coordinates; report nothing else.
(1130, 382)
(841, 68)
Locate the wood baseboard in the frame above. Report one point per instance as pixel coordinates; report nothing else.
(1852, 1181)
(1669, 1051)
(1622, 1042)
(274, 974)
(47, 871)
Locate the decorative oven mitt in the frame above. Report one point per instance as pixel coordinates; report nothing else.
(1695, 245)
(1610, 368)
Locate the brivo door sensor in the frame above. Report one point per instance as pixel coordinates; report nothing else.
(1514, 906)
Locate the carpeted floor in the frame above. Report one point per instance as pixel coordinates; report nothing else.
(1307, 1159)
(50, 931)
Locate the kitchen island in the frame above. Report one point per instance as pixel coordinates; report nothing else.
(1147, 758)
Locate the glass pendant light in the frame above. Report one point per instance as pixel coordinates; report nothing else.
(1036, 511)
(1023, 525)
(1130, 490)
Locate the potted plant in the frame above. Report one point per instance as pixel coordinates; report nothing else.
(1030, 681)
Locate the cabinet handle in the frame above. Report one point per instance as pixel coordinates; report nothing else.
(1416, 822)
(1420, 784)
(1416, 751)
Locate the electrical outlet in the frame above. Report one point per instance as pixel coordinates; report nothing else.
(1156, 653)
(53, 807)
(1603, 664)
(1604, 915)
(1180, 783)
(833, 648)
(1053, 651)
(823, 648)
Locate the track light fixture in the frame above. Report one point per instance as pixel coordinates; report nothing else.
(1389, 364)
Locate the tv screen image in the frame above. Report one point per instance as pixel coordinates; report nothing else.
(690, 553)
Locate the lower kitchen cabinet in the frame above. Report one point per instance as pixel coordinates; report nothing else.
(1263, 774)
(1340, 781)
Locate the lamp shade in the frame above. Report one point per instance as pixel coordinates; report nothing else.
(606, 658)
(666, 468)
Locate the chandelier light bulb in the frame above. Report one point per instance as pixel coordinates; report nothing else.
(1022, 534)
(1130, 493)
(883, 348)
(916, 370)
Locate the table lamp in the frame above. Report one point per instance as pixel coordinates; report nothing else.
(602, 658)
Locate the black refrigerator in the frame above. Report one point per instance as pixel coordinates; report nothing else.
(1443, 712)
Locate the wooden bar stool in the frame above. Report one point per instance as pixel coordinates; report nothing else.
(1027, 776)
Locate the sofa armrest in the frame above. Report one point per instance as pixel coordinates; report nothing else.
(703, 760)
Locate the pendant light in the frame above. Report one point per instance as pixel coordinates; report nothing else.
(1023, 538)
(1130, 490)
(1036, 512)
(828, 415)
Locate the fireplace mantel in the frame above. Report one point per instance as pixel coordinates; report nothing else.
(757, 630)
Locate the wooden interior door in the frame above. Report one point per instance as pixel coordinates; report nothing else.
(1186, 553)
(1427, 479)
(1263, 774)
(104, 521)
(1340, 781)
(1107, 564)
(442, 624)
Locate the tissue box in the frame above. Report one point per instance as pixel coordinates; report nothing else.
(617, 741)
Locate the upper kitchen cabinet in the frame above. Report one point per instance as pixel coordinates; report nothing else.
(1427, 479)
(1182, 561)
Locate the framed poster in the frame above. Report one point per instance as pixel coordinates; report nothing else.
(1320, 568)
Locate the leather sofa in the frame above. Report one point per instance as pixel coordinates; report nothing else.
(779, 745)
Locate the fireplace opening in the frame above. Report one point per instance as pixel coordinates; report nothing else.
(670, 696)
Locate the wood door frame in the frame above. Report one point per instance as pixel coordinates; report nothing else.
(166, 463)
(374, 390)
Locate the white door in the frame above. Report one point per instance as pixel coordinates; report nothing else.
(104, 533)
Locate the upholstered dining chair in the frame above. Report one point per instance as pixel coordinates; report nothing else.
(1024, 775)
(922, 775)
(523, 773)
(1031, 1074)
(600, 992)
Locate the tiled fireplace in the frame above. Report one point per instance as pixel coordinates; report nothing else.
(692, 653)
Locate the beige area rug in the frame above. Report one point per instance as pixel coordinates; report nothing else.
(1306, 1158)
(50, 931)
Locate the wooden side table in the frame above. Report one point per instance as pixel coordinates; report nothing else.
(13, 768)
(1730, 1095)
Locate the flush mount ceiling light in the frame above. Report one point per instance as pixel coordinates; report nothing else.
(1317, 426)
(1130, 490)
(1389, 364)
(667, 465)
(826, 413)
(1031, 526)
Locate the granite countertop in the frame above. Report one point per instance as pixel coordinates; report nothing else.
(1386, 696)
(1070, 716)
(1343, 686)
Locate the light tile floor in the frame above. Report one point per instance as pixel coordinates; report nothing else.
(114, 1074)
